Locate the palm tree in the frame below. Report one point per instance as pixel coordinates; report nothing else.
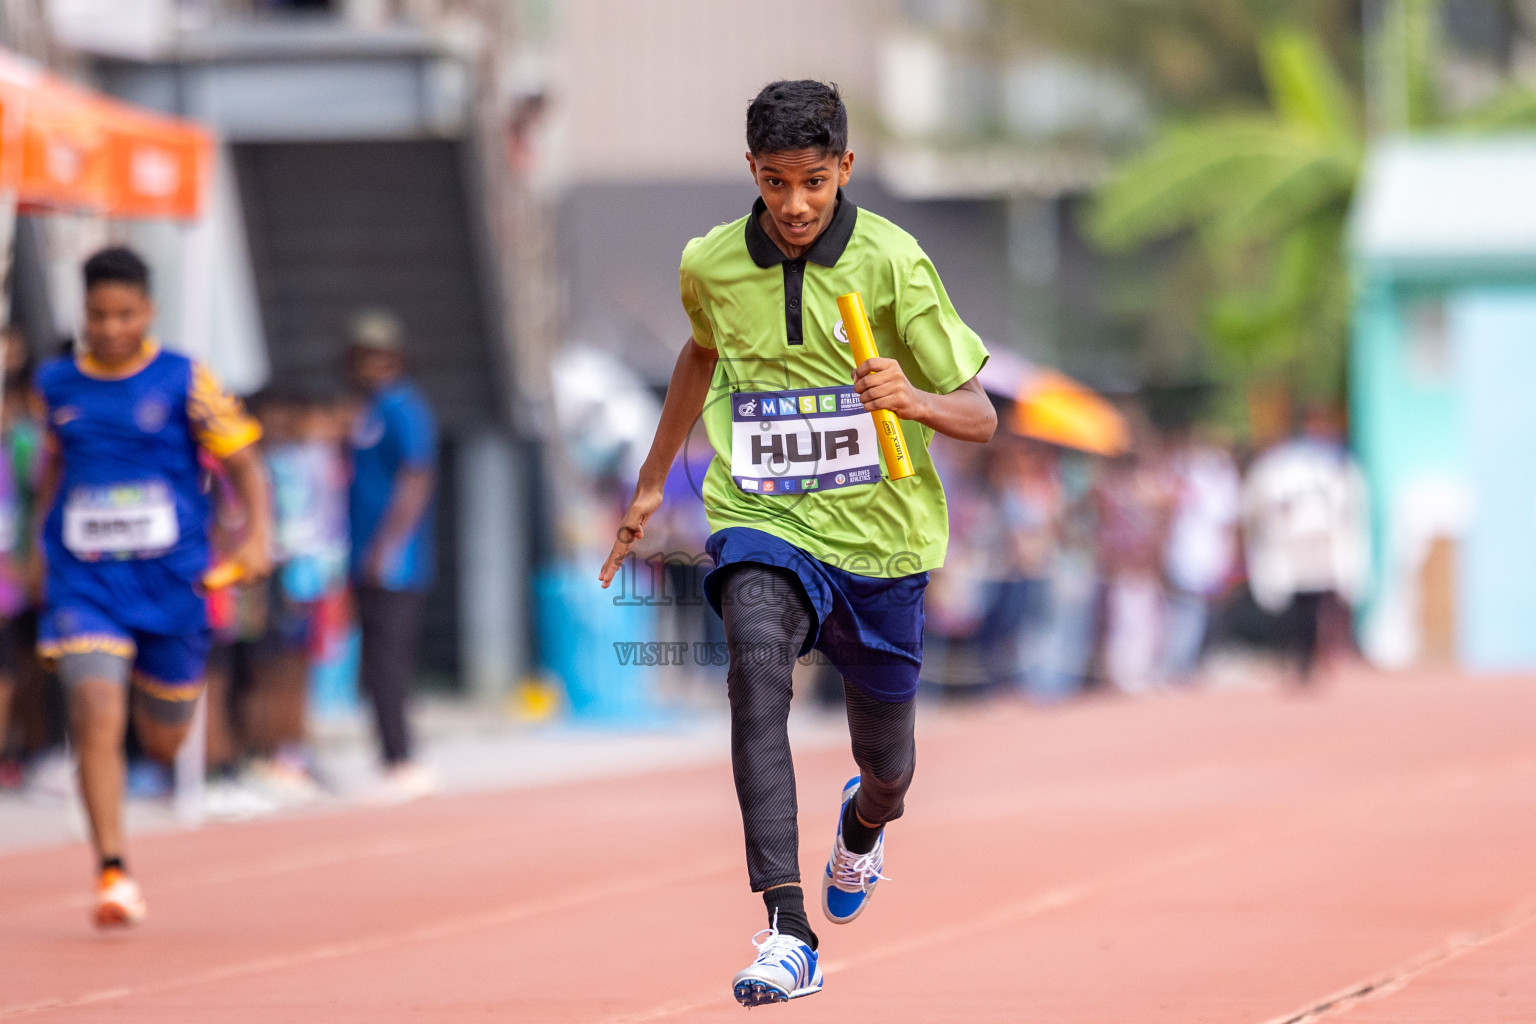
(1257, 201)
(1261, 198)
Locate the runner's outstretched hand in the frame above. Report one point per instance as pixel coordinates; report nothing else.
(254, 557)
(642, 506)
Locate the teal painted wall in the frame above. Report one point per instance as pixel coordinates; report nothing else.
(1494, 334)
(1458, 409)
(1405, 421)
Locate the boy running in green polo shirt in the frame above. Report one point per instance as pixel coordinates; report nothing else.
(813, 547)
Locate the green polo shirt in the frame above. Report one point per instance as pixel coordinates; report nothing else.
(776, 325)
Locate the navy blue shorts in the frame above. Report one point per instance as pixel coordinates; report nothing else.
(169, 661)
(869, 627)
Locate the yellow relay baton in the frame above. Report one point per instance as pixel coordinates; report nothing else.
(898, 460)
(224, 574)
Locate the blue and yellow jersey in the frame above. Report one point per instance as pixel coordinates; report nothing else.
(127, 532)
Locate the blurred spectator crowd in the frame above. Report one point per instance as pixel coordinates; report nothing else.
(1188, 558)
(1069, 572)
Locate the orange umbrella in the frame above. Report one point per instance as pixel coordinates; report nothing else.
(64, 147)
(1060, 410)
(1050, 406)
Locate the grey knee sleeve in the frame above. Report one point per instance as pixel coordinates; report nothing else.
(885, 749)
(165, 704)
(102, 666)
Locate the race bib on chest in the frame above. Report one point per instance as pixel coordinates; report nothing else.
(122, 521)
(790, 442)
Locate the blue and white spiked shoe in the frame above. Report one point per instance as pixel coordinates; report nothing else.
(849, 881)
(785, 969)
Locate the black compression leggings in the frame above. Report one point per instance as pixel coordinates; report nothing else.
(766, 622)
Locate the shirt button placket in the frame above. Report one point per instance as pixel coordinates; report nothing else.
(793, 282)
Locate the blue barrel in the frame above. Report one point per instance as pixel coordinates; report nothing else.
(333, 679)
(595, 644)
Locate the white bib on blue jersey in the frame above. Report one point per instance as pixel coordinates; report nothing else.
(136, 520)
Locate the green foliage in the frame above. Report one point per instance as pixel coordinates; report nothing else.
(1512, 109)
(1406, 51)
(1262, 199)
(1245, 188)
(1188, 55)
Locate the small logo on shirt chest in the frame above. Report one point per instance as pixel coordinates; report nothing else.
(150, 414)
(367, 431)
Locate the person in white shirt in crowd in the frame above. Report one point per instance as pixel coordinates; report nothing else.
(1132, 500)
(1202, 546)
(1306, 530)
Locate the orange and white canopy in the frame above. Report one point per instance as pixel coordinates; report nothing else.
(66, 148)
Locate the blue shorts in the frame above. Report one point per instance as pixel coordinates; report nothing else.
(169, 661)
(869, 627)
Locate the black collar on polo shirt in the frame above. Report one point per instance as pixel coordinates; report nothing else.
(826, 250)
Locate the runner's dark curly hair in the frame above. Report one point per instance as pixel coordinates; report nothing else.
(804, 114)
(116, 264)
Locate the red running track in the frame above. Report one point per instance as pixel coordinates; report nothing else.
(1245, 858)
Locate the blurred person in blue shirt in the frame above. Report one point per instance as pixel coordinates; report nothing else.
(390, 507)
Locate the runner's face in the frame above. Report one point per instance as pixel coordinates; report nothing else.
(800, 189)
(117, 318)
(15, 351)
(372, 369)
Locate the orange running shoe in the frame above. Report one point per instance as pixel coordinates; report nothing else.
(119, 901)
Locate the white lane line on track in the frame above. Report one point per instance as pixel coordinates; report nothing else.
(1437, 782)
(1445, 779)
(426, 933)
(1036, 904)
(1451, 777)
(1452, 949)
(270, 868)
(1040, 903)
(670, 1009)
